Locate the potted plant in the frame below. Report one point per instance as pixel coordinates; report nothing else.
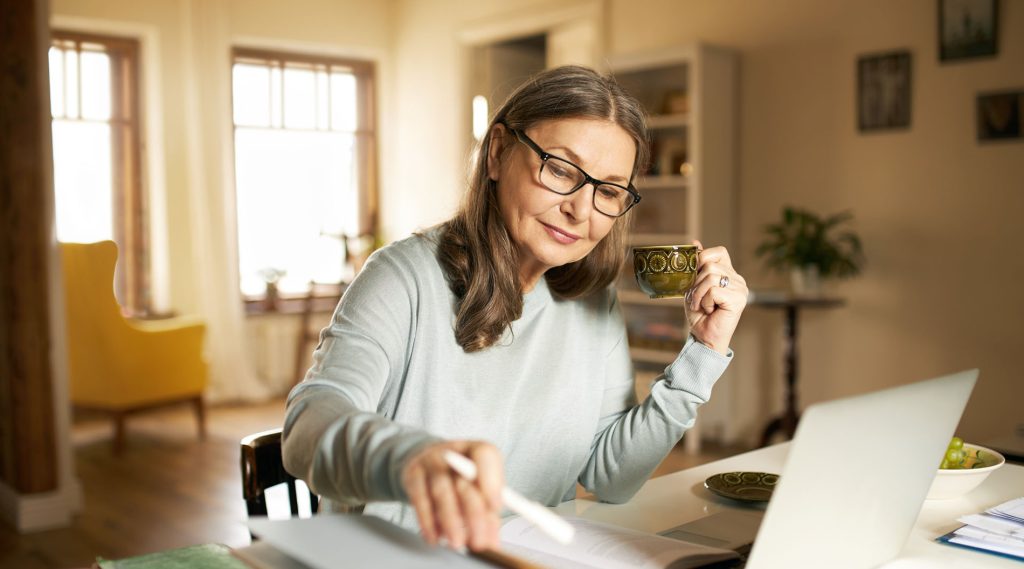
(805, 245)
(270, 276)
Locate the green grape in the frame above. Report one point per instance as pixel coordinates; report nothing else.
(955, 457)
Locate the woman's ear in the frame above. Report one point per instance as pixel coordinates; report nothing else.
(495, 147)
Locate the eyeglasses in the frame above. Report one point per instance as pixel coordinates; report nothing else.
(563, 177)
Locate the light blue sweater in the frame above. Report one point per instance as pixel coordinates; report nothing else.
(556, 395)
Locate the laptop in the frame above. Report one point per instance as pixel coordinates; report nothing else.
(857, 473)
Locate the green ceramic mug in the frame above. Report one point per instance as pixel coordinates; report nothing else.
(665, 271)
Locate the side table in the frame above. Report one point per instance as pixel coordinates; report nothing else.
(791, 305)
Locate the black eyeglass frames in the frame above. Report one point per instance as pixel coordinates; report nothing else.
(563, 177)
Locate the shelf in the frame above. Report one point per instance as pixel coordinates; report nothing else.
(639, 62)
(653, 356)
(640, 239)
(691, 191)
(662, 182)
(678, 120)
(637, 297)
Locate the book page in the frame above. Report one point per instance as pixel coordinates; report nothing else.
(355, 541)
(603, 546)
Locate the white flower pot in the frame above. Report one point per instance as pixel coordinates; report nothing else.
(805, 281)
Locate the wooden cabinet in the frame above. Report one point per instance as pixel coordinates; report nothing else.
(689, 191)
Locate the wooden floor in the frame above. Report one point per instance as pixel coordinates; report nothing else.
(168, 489)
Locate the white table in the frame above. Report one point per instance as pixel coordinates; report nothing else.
(680, 497)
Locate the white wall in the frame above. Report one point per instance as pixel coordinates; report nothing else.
(936, 210)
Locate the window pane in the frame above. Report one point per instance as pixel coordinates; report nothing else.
(299, 98)
(295, 189)
(96, 153)
(83, 181)
(322, 99)
(276, 91)
(56, 82)
(298, 182)
(71, 80)
(251, 94)
(95, 85)
(343, 102)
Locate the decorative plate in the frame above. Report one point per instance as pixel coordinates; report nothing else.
(743, 486)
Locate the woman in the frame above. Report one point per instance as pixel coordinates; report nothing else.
(498, 335)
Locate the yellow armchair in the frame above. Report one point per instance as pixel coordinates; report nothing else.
(118, 365)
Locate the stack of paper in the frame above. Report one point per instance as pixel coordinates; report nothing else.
(998, 530)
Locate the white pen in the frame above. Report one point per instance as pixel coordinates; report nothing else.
(538, 515)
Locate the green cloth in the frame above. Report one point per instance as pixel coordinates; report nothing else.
(206, 556)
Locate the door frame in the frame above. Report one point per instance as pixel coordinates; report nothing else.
(519, 24)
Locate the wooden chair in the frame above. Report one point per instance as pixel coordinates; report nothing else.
(322, 299)
(263, 468)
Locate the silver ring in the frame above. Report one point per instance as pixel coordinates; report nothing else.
(723, 282)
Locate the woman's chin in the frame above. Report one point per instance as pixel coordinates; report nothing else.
(563, 258)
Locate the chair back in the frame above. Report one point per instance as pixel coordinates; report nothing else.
(114, 362)
(93, 317)
(263, 468)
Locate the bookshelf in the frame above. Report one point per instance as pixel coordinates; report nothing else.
(689, 192)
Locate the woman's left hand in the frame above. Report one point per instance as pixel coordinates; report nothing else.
(717, 299)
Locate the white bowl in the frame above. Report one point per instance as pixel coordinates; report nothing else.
(952, 483)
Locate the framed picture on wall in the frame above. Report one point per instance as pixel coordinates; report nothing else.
(999, 116)
(883, 91)
(968, 29)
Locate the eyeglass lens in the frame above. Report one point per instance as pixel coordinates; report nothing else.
(564, 178)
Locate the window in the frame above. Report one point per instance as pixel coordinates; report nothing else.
(96, 159)
(304, 167)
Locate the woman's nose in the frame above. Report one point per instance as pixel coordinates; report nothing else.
(579, 204)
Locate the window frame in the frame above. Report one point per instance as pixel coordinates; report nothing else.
(366, 135)
(130, 206)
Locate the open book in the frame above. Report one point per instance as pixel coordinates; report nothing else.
(605, 546)
(354, 541)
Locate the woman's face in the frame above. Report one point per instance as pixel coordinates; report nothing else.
(549, 229)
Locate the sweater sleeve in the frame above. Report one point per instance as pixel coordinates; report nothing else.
(333, 437)
(631, 439)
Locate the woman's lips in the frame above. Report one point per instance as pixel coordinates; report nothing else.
(562, 237)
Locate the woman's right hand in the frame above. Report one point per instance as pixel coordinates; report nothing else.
(449, 506)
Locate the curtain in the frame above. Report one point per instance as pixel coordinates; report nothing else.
(206, 57)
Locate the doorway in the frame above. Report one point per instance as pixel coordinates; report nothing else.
(497, 69)
(501, 52)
